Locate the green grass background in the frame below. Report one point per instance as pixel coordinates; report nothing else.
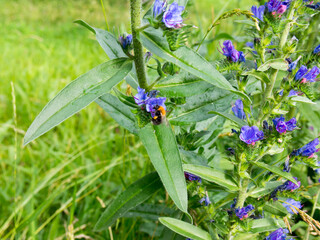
(58, 180)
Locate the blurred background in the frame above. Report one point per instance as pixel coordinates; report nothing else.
(57, 186)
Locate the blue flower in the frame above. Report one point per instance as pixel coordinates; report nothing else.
(158, 7)
(301, 72)
(315, 6)
(258, 12)
(243, 212)
(312, 74)
(192, 177)
(250, 135)
(288, 185)
(125, 41)
(231, 53)
(205, 199)
(279, 234)
(316, 50)
(153, 102)
(309, 149)
(141, 97)
(282, 126)
(172, 17)
(289, 203)
(237, 109)
(292, 65)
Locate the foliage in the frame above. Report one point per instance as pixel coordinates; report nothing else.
(247, 164)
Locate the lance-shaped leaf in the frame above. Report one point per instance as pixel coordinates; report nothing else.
(302, 100)
(111, 47)
(276, 170)
(185, 229)
(258, 75)
(276, 208)
(163, 151)
(230, 117)
(262, 191)
(119, 111)
(212, 175)
(182, 85)
(135, 194)
(77, 95)
(187, 59)
(266, 224)
(197, 107)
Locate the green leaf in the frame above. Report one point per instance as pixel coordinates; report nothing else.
(150, 211)
(276, 208)
(182, 85)
(212, 175)
(302, 100)
(135, 194)
(230, 117)
(262, 191)
(266, 224)
(111, 47)
(119, 111)
(187, 59)
(107, 41)
(185, 229)
(163, 151)
(279, 64)
(276, 170)
(258, 75)
(77, 95)
(197, 107)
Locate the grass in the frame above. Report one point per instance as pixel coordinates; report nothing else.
(56, 187)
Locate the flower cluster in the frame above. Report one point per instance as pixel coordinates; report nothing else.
(279, 234)
(276, 7)
(282, 126)
(192, 177)
(205, 200)
(250, 135)
(125, 41)
(307, 76)
(172, 16)
(149, 100)
(242, 213)
(231, 53)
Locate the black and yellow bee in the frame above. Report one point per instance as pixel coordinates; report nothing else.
(159, 115)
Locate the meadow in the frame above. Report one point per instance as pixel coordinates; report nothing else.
(57, 186)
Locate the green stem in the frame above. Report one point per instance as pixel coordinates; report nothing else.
(242, 193)
(312, 213)
(135, 7)
(104, 14)
(286, 31)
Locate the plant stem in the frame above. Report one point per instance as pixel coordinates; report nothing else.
(104, 14)
(135, 8)
(286, 31)
(312, 213)
(242, 193)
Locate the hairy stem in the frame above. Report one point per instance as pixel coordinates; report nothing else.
(135, 8)
(242, 193)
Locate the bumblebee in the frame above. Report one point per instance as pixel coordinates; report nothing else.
(159, 115)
